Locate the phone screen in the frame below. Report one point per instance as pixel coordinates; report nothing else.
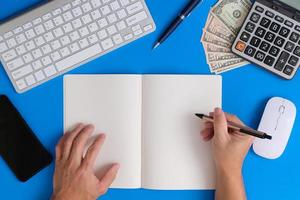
(19, 147)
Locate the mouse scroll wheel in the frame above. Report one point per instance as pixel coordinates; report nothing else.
(282, 109)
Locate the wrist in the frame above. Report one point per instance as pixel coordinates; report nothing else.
(229, 171)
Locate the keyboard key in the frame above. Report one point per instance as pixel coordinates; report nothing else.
(65, 40)
(250, 51)
(96, 3)
(105, 10)
(265, 22)
(118, 39)
(260, 32)
(55, 56)
(112, 18)
(93, 27)
(148, 27)
(67, 16)
(65, 51)
(102, 34)
(288, 70)
(112, 30)
(124, 2)
(77, 12)
(297, 28)
(93, 39)
(49, 37)
(21, 50)
(21, 72)
(284, 32)
(11, 43)
(3, 47)
(83, 31)
(21, 84)
(121, 25)
(74, 47)
(39, 75)
(270, 14)
(289, 46)
(279, 19)
(136, 18)
(294, 61)
(274, 51)
(39, 41)
(37, 65)
(76, 23)
(15, 64)
(20, 38)
(255, 17)
(58, 32)
(260, 56)
(289, 23)
(134, 8)
(30, 45)
(297, 51)
(75, 35)
(46, 49)
(107, 44)
(282, 60)
(30, 80)
(55, 44)
(78, 57)
(265, 46)
(83, 43)
(9, 55)
(68, 28)
(30, 34)
(259, 9)
(86, 7)
(58, 21)
(121, 14)
(96, 14)
(37, 53)
(115, 5)
(49, 25)
(240, 46)
(86, 19)
(27, 25)
(46, 60)
(39, 29)
(66, 7)
(294, 37)
(50, 71)
(275, 27)
(279, 41)
(102, 23)
(255, 41)
(269, 60)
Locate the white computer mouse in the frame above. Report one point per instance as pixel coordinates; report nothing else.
(278, 121)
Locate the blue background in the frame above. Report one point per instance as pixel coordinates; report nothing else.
(245, 93)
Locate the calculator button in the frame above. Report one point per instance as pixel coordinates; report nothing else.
(278, 18)
(250, 27)
(279, 41)
(265, 46)
(255, 41)
(265, 22)
(240, 46)
(294, 37)
(293, 60)
(250, 51)
(297, 51)
(275, 27)
(284, 32)
(259, 9)
(288, 70)
(270, 37)
(260, 56)
(288, 23)
(289, 46)
(245, 36)
(274, 51)
(269, 61)
(260, 32)
(270, 14)
(282, 60)
(255, 17)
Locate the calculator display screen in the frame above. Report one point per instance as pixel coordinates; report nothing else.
(292, 3)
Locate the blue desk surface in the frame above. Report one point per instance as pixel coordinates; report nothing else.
(245, 93)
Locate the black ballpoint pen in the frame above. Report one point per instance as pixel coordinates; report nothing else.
(184, 14)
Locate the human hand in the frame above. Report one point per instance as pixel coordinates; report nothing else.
(73, 177)
(229, 147)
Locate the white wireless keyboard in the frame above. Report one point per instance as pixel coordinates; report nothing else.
(63, 34)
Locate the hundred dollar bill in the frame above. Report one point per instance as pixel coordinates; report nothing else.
(232, 13)
(220, 56)
(210, 48)
(219, 65)
(217, 28)
(210, 38)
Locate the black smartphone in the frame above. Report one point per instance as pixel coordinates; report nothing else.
(19, 147)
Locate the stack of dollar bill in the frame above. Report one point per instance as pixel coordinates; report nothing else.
(223, 24)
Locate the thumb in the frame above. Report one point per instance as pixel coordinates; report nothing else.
(220, 123)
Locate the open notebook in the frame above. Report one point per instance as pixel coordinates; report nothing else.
(150, 126)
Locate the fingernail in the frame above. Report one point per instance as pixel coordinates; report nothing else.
(218, 111)
(102, 136)
(117, 166)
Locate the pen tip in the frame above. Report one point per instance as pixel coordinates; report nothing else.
(199, 115)
(156, 45)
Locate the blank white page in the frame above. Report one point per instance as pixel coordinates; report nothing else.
(113, 104)
(173, 154)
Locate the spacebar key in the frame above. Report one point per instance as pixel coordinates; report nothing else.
(78, 57)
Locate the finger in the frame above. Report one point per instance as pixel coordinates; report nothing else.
(220, 124)
(108, 178)
(59, 147)
(211, 114)
(68, 140)
(233, 118)
(93, 151)
(207, 133)
(79, 144)
(208, 125)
